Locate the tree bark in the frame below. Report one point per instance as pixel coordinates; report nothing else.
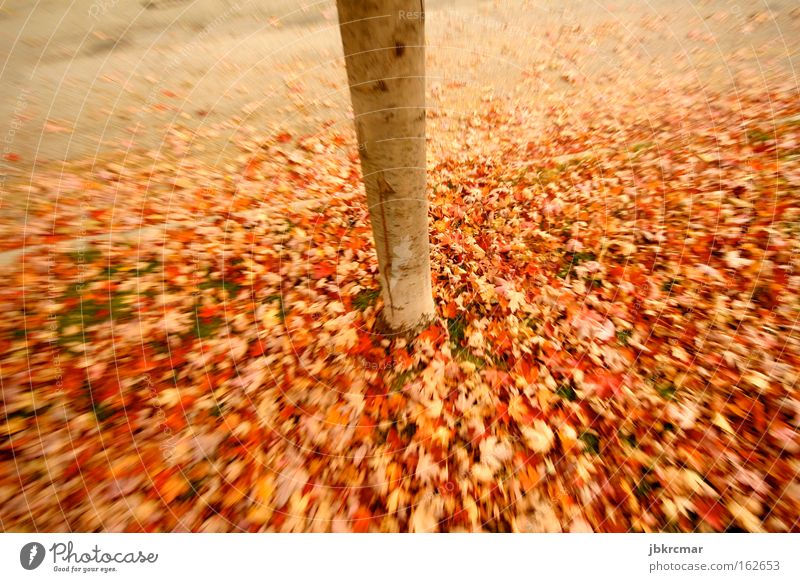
(384, 48)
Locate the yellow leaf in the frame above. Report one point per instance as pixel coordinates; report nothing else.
(758, 380)
(721, 422)
(264, 490)
(393, 501)
(472, 510)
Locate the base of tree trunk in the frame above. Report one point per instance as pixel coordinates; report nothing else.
(383, 328)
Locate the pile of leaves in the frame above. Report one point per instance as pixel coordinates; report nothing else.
(617, 346)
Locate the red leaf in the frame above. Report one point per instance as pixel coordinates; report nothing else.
(324, 270)
(605, 385)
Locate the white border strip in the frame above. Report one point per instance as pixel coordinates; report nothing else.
(402, 558)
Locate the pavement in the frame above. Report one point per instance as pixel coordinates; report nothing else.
(94, 79)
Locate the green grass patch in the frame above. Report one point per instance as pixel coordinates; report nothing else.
(624, 336)
(573, 261)
(150, 267)
(669, 284)
(758, 136)
(567, 392)
(646, 484)
(666, 390)
(464, 355)
(101, 411)
(194, 489)
(591, 442)
(119, 308)
(80, 317)
(366, 298)
(642, 145)
(281, 310)
(226, 285)
(205, 328)
(457, 328)
(400, 380)
(629, 439)
(85, 256)
(89, 312)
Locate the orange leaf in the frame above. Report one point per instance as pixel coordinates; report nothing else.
(324, 270)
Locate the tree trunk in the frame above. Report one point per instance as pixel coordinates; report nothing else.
(384, 48)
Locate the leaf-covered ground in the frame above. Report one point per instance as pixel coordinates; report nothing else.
(186, 347)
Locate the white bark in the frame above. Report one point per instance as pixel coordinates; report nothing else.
(384, 51)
